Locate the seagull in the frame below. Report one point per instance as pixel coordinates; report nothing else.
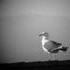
(50, 46)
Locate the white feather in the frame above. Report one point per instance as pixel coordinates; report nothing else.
(43, 43)
(44, 40)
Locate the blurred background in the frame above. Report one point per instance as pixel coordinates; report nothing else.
(22, 21)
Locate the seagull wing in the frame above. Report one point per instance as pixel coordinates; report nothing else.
(56, 43)
(52, 46)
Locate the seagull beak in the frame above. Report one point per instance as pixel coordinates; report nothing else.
(40, 35)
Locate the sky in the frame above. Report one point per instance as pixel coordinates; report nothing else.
(23, 20)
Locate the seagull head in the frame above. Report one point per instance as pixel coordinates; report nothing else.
(44, 34)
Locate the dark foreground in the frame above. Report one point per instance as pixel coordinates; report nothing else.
(41, 65)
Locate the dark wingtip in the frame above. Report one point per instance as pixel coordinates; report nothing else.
(64, 49)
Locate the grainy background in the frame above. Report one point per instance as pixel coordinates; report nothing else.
(22, 20)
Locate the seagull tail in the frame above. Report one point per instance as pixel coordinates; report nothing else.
(64, 49)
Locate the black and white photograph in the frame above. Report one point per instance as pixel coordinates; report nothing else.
(34, 34)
